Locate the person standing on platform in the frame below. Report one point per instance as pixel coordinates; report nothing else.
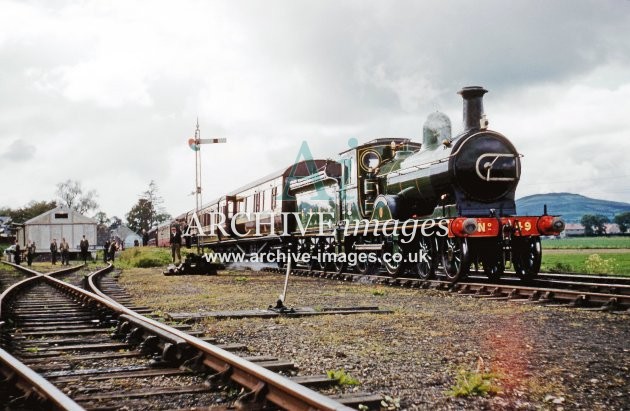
(105, 251)
(176, 243)
(112, 250)
(53, 251)
(83, 246)
(17, 258)
(145, 238)
(64, 247)
(30, 253)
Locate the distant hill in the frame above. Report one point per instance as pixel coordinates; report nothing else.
(571, 206)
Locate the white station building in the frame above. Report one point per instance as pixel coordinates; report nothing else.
(58, 223)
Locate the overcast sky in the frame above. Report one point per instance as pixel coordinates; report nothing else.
(108, 92)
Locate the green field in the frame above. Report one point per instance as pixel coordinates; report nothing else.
(587, 242)
(607, 263)
(559, 257)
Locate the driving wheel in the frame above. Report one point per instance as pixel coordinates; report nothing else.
(455, 258)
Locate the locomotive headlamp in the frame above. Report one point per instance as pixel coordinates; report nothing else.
(470, 226)
(462, 227)
(549, 225)
(483, 122)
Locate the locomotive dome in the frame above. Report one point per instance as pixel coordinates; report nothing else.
(436, 129)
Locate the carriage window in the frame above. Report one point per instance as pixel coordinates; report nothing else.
(256, 202)
(274, 197)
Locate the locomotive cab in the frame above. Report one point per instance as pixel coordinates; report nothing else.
(362, 167)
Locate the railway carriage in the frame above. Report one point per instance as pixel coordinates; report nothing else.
(230, 223)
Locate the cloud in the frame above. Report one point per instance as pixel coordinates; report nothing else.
(109, 93)
(18, 151)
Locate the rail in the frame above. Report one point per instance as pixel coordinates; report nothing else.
(610, 301)
(22, 377)
(260, 381)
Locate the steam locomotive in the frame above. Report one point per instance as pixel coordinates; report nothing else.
(447, 201)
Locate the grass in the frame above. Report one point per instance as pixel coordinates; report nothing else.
(559, 257)
(144, 257)
(342, 377)
(584, 263)
(587, 242)
(474, 383)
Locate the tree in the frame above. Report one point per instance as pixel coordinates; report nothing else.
(71, 195)
(102, 218)
(32, 209)
(140, 215)
(594, 224)
(147, 212)
(115, 223)
(623, 221)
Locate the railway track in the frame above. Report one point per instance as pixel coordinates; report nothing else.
(67, 348)
(581, 291)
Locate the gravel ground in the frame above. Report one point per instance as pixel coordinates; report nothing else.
(539, 357)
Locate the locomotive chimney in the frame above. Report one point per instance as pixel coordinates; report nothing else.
(473, 107)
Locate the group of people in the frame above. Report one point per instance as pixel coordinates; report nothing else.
(109, 250)
(30, 253)
(63, 248)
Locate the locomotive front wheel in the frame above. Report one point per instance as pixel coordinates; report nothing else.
(526, 257)
(455, 258)
(427, 258)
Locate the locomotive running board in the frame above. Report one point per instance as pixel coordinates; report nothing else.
(368, 247)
